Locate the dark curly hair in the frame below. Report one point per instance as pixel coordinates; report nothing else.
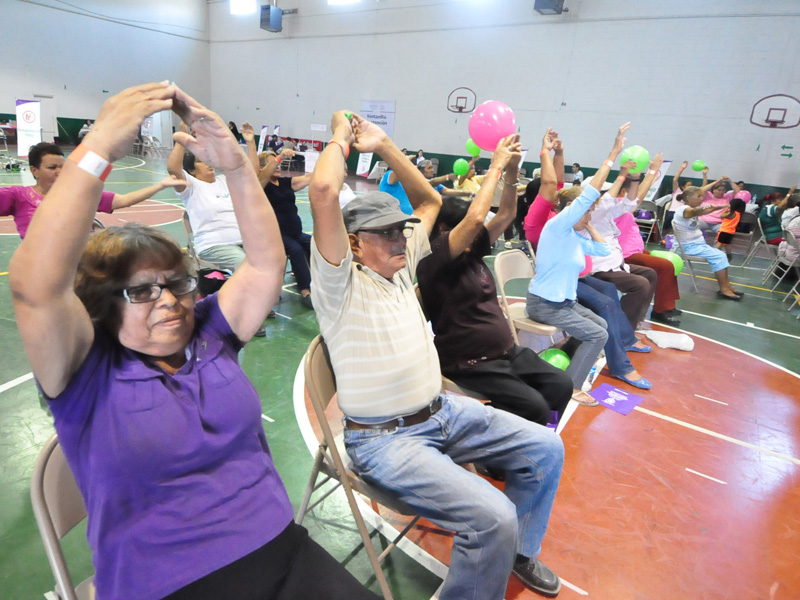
(39, 151)
(112, 256)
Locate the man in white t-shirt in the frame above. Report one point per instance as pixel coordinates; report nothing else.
(401, 433)
(207, 200)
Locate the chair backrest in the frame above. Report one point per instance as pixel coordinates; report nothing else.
(791, 239)
(749, 218)
(509, 265)
(57, 507)
(320, 379)
(649, 205)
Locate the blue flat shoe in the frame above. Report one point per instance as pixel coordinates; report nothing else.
(644, 350)
(640, 383)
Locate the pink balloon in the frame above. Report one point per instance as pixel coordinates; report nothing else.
(587, 266)
(744, 195)
(490, 122)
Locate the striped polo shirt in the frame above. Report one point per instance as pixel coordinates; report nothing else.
(381, 349)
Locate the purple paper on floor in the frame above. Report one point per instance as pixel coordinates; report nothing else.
(616, 399)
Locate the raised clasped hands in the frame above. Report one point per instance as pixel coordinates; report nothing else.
(505, 150)
(549, 139)
(211, 140)
(121, 117)
(369, 137)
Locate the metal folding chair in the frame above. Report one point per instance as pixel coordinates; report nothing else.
(333, 464)
(58, 507)
(510, 265)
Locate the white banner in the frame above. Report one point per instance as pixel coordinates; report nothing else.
(319, 127)
(364, 160)
(262, 138)
(29, 125)
(651, 193)
(380, 112)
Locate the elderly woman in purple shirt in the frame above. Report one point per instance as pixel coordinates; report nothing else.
(159, 424)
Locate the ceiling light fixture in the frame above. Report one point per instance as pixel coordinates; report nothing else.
(243, 7)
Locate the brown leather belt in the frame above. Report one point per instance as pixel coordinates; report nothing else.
(416, 418)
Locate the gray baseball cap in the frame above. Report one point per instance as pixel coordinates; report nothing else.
(373, 210)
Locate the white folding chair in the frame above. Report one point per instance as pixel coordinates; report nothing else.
(783, 263)
(646, 226)
(688, 259)
(510, 265)
(761, 239)
(58, 507)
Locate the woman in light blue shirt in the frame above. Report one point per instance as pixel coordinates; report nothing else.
(561, 258)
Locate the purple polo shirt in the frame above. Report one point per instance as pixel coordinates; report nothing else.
(175, 469)
(21, 202)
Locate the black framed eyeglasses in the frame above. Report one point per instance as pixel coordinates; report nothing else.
(394, 233)
(150, 292)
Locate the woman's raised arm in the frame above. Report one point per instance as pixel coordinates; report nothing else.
(55, 327)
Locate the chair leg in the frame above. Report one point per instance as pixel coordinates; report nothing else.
(366, 539)
(301, 512)
(753, 252)
(691, 272)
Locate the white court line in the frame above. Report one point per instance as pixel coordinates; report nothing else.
(15, 382)
(706, 476)
(689, 312)
(267, 419)
(718, 435)
(573, 587)
(711, 400)
(745, 352)
(284, 316)
(122, 168)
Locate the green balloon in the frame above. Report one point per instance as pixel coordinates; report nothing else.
(698, 165)
(638, 155)
(461, 167)
(556, 357)
(472, 148)
(674, 258)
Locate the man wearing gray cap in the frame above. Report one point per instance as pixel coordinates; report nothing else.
(401, 433)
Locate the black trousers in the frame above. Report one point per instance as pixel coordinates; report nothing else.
(290, 567)
(639, 287)
(522, 384)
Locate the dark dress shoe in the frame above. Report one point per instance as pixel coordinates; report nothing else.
(664, 317)
(734, 297)
(738, 293)
(675, 312)
(537, 576)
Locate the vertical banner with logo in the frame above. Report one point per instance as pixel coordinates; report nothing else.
(651, 193)
(380, 112)
(262, 138)
(29, 125)
(364, 161)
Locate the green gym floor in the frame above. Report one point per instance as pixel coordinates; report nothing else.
(760, 325)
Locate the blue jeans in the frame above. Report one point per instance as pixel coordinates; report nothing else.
(420, 465)
(580, 323)
(602, 299)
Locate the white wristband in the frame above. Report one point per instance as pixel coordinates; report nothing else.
(609, 163)
(91, 162)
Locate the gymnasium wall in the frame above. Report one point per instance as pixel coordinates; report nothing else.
(84, 51)
(686, 73)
